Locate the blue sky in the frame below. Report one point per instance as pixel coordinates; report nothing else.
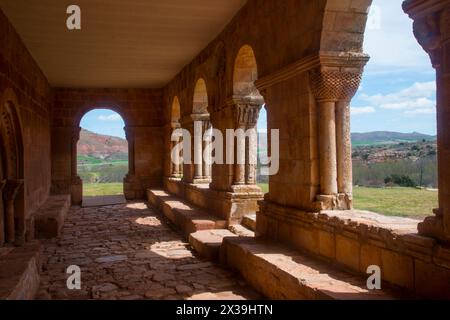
(397, 92)
(104, 121)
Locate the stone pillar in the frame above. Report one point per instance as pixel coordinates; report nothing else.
(198, 150)
(432, 30)
(206, 146)
(175, 165)
(334, 84)
(130, 181)
(327, 148)
(246, 112)
(9, 194)
(2, 213)
(76, 182)
(344, 148)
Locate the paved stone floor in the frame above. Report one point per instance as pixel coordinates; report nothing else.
(127, 252)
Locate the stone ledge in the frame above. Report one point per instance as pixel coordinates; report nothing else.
(358, 239)
(249, 221)
(49, 219)
(187, 218)
(207, 243)
(19, 272)
(282, 273)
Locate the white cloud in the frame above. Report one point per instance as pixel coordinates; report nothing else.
(416, 99)
(421, 111)
(390, 41)
(362, 110)
(112, 117)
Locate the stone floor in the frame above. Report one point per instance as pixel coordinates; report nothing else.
(127, 252)
(99, 201)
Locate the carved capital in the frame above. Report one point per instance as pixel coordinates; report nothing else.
(334, 84)
(246, 114)
(428, 34)
(2, 185)
(11, 189)
(431, 25)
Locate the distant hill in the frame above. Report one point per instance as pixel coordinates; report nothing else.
(93, 146)
(387, 137)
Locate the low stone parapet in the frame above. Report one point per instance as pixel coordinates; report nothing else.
(355, 240)
(50, 217)
(281, 273)
(19, 272)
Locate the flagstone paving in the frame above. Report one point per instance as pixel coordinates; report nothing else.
(128, 252)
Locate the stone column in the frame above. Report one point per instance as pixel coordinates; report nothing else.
(198, 150)
(344, 148)
(2, 213)
(175, 165)
(246, 117)
(334, 84)
(432, 30)
(76, 183)
(207, 155)
(10, 192)
(129, 133)
(327, 148)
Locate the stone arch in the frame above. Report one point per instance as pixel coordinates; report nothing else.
(200, 98)
(113, 106)
(175, 111)
(76, 138)
(11, 171)
(343, 26)
(245, 73)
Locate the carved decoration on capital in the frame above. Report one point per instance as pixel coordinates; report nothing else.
(246, 114)
(334, 85)
(2, 185)
(428, 34)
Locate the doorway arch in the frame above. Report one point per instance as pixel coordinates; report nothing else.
(102, 156)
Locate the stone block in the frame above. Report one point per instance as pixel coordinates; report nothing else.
(397, 269)
(348, 252)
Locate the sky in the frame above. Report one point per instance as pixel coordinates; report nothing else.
(397, 92)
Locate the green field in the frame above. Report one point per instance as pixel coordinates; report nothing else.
(102, 189)
(395, 201)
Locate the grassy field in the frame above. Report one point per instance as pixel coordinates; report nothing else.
(102, 189)
(396, 201)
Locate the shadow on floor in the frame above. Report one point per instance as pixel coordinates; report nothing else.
(99, 201)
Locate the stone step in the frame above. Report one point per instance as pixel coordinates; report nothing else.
(281, 273)
(241, 231)
(249, 221)
(19, 272)
(50, 217)
(183, 215)
(207, 243)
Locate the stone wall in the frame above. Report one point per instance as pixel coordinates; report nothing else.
(25, 87)
(141, 110)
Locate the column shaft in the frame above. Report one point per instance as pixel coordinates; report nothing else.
(198, 149)
(344, 147)
(327, 148)
(239, 165)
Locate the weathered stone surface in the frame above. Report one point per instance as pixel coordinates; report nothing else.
(19, 272)
(50, 218)
(282, 273)
(131, 254)
(207, 243)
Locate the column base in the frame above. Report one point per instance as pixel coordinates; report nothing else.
(76, 190)
(340, 201)
(201, 180)
(433, 226)
(131, 187)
